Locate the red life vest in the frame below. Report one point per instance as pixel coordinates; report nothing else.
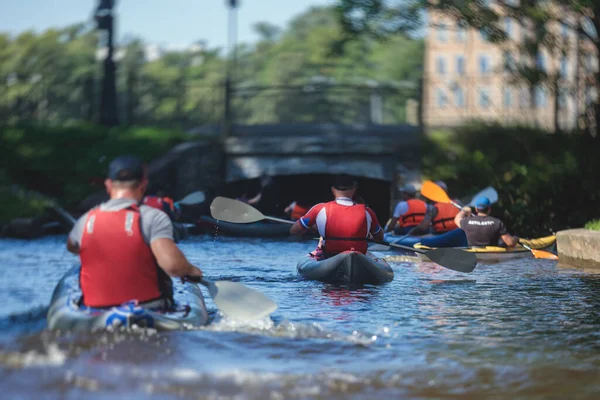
(415, 214)
(444, 219)
(346, 228)
(298, 211)
(116, 263)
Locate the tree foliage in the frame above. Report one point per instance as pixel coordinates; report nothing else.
(291, 74)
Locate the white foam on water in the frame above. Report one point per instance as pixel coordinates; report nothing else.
(53, 357)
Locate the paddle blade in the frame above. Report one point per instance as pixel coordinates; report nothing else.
(237, 212)
(193, 198)
(488, 192)
(454, 259)
(544, 255)
(434, 193)
(238, 301)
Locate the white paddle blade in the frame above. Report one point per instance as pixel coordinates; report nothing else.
(193, 198)
(488, 192)
(240, 302)
(237, 212)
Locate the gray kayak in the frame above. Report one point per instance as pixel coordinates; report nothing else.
(348, 267)
(65, 313)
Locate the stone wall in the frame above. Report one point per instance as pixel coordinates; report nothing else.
(579, 247)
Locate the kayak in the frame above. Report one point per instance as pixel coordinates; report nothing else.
(496, 253)
(254, 229)
(453, 238)
(65, 312)
(349, 267)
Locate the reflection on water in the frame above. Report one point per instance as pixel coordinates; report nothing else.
(520, 329)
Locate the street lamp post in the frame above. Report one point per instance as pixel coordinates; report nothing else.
(231, 61)
(108, 97)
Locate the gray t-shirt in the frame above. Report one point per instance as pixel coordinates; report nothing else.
(155, 223)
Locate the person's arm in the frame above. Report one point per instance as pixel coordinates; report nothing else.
(307, 221)
(376, 229)
(76, 233)
(290, 208)
(401, 209)
(510, 240)
(465, 212)
(172, 260)
(158, 231)
(429, 216)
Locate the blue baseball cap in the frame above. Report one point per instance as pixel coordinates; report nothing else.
(126, 168)
(482, 202)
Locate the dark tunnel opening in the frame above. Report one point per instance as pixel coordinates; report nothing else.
(309, 189)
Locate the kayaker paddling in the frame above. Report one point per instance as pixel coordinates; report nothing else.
(127, 250)
(440, 216)
(408, 214)
(343, 224)
(482, 229)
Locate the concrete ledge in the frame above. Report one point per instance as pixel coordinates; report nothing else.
(579, 245)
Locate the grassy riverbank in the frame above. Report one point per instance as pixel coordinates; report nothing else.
(67, 163)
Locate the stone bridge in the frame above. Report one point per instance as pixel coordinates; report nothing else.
(302, 157)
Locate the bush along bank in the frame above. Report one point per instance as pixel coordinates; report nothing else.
(68, 163)
(546, 182)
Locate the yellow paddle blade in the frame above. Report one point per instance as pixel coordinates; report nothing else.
(434, 193)
(544, 254)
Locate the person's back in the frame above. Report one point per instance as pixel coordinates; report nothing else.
(343, 224)
(482, 229)
(127, 251)
(117, 262)
(409, 213)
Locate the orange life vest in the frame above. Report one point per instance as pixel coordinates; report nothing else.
(415, 214)
(444, 219)
(298, 211)
(346, 228)
(116, 263)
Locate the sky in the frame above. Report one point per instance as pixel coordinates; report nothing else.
(169, 23)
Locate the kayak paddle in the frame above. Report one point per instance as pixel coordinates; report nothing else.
(540, 253)
(434, 192)
(193, 198)
(238, 212)
(488, 192)
(236, 300)
(454, 259)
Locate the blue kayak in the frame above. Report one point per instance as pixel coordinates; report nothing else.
(454, 238)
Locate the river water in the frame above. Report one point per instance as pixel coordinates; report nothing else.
(520, 329)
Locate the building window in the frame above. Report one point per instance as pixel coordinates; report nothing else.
(484, 65)
(562, 99)
(484, 98)
(441, 65)
(486, 3)
(461, 31)
(590, 95)
(564, 30)
(540, 97)
(442, 32)
(440, 99)
(484, 35)
(459, 97)
(589, 62)
(509, 62)
(524, 97)
(508, 27)
(540, 62)
(507, 97)
(460, 65)
(564, 67)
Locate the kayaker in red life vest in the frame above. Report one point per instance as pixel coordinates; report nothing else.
(440, 216)
(127, 250)
(481, 229)
(409, 212)
(343, 224)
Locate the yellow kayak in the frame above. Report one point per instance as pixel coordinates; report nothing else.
(495, 253)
